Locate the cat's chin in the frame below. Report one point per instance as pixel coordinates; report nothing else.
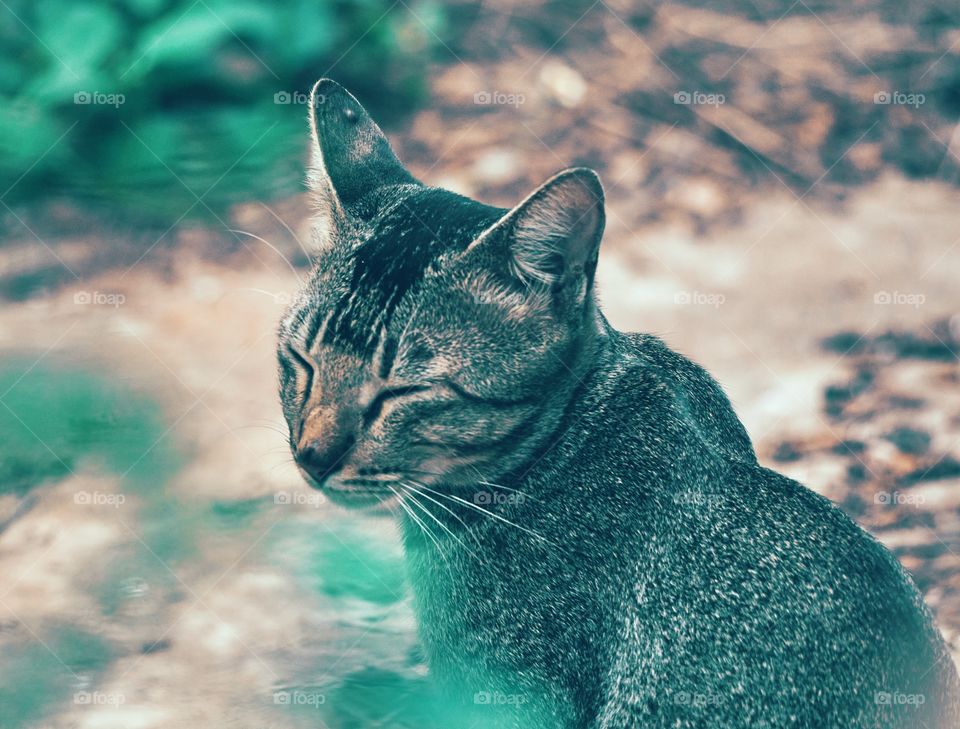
(368, 497)
(369, 501)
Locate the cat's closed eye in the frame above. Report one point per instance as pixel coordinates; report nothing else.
(374, 409)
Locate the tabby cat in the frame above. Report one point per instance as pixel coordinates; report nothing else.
(589, 537)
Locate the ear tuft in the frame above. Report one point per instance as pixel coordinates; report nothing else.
(552, 238)
(329, 214)
(546, 247)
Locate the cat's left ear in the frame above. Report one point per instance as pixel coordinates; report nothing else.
(349, 156)
(551, 240)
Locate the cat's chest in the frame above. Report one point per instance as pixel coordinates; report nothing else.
(514, 599)
(511, 621)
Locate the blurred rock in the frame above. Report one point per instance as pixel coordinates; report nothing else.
(563, 83)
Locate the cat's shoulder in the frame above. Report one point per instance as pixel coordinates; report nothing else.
(648, 369)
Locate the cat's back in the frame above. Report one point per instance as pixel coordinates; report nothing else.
(697, 396)
(753, 599)
(759, 601)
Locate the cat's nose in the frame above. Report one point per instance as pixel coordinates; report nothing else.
(322, 458)
(326, 439)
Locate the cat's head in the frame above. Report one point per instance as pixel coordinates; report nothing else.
(438, 339)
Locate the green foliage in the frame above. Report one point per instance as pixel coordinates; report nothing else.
(157, 109)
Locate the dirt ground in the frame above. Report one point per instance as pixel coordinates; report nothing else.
(221, 592)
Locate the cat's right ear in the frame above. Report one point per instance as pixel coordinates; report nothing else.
(549, 242)
(349, 157)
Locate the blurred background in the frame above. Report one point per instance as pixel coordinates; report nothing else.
(781, 181)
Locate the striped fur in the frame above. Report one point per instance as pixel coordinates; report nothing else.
(588, 533)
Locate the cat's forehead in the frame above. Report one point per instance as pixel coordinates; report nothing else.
(431, 219)
(386, 260)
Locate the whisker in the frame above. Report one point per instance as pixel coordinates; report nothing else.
(412, 489)
(289, 229)
(271, 247)
(422, 507)
(481, 481)
(419, 523)
(268, 421)
(272, 428)
(280, 448)
(488, 513)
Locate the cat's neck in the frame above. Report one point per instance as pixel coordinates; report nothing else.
(450, 510)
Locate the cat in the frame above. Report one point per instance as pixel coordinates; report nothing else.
(589, 537)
